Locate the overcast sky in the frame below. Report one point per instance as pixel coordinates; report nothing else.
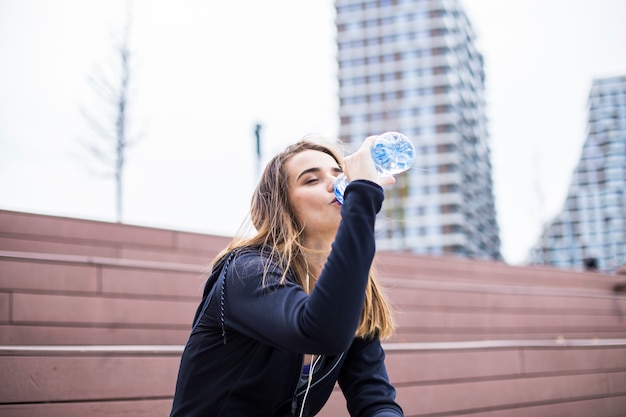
(205, 72)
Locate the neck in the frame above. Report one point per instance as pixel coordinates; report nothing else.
(316, 253)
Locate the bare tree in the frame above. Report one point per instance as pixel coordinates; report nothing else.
(110, 123)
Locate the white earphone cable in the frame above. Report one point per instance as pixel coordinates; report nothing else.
(310, 379)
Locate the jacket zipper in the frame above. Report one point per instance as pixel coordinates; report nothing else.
(317, 381)
(294, 399)
(294, 402)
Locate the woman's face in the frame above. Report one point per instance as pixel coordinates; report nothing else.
(311, 176)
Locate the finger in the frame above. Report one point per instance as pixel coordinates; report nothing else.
(386, 180)
(368, 142)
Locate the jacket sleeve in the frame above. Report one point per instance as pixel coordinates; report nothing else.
(364, 381)
(325, 321)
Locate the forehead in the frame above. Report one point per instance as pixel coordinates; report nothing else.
(309, 159)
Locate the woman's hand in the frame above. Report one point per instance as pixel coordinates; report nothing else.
(360, 166)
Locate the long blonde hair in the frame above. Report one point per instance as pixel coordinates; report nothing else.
(277, 228)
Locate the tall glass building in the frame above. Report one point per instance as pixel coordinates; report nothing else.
(412, 66)
(590, 231)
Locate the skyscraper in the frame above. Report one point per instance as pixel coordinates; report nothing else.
(590, 230)
(412, 66)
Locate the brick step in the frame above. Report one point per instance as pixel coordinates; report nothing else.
(431, 311)
(506, 378)
(50, 334)
(447, 268)
(481, 339)
(486, 379)
(124, 301)
(26, 232)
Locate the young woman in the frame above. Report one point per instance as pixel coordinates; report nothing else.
(294, 309)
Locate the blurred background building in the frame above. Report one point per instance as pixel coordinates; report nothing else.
(590, 231)
(412, 66)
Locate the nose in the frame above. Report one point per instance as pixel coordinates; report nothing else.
(330, 183)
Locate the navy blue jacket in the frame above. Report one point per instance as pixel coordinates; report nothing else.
(244, 358)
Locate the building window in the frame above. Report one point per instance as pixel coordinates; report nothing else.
(448, 188)
(449, 208)
(451, 228)
(442, 169)
(445, 128)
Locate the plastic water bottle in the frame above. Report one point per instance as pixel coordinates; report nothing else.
(392, 153)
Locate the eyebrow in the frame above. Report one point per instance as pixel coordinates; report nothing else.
(316, 169)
